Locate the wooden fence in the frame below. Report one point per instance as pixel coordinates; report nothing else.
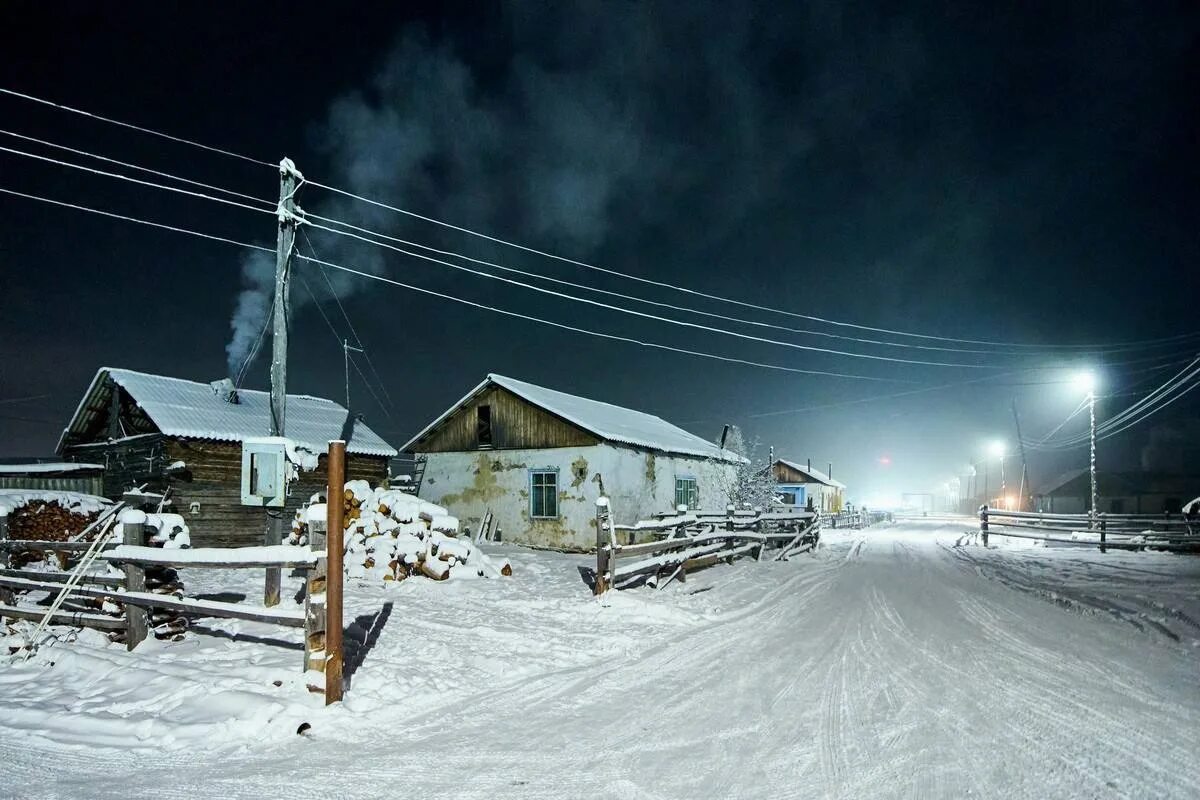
(855, 519)
(686, 541)
(149, 593)
(1117, 531)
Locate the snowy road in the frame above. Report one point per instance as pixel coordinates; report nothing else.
(891, 665)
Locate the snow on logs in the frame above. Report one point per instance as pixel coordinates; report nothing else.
(390, 536)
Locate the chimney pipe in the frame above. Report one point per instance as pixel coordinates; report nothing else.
(829, 474)
(724, 435)
(810, 465)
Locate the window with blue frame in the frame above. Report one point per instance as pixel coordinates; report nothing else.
(687, 493)
(543, 493)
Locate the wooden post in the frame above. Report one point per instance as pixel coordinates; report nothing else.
(1103, 533)
(334, 543)
(604, 562)
(136, 618)
(6, 595)
(315, 585)
(983, 523)
(274, 578)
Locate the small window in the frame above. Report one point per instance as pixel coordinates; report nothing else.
(687, 493)
(483, 426)
(543, 493)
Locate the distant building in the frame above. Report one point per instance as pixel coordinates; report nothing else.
(538, 459)
(801, 485)
(168, 433)
(1132, 492)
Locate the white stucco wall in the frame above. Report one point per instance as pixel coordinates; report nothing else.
(638, 483)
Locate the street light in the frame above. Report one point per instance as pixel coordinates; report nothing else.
(1086, 381)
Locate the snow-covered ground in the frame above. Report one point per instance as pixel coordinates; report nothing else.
(890, 664)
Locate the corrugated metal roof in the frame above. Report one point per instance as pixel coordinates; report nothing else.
(193, 410)
(609, 422)
(815, 474)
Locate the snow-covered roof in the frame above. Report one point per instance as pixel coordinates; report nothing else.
(609, 422)
(193, 410)
(58, 466)
(815, 474)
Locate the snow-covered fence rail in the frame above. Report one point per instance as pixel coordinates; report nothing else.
(693, 540)
(855, 519)
(1118, 531)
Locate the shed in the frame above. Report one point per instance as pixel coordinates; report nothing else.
(61, 476)
(1120, 492)
(538, 459)
(187, 436)
(802, 485)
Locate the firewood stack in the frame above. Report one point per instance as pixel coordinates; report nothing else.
(47, 521)
(390, 536)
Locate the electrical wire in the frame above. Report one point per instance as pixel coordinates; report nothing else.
(463, 301)
(1049, 349)
(575, 262)
(270, 203)
(643, 315)
(131, 126)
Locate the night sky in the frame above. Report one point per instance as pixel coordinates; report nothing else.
(983, 172)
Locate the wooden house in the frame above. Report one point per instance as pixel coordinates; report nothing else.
(187, 436)
(801, 485)
(1128, 492)
(538, 459)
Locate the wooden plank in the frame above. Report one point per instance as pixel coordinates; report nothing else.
(137, 624)
(33, 614)
(17, 545)
(286, 556)
(59, 578)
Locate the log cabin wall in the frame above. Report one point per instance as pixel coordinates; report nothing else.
(785, 474)
(213, 479)
(128, 463)
(514, 424)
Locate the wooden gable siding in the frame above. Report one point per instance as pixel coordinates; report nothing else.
(213, 479)
(516, 424)
(128, 463)
(785, 474)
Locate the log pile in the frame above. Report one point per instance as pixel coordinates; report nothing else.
(390, 536)
(48, 521)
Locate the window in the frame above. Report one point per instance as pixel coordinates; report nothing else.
(543, 493)
(483, 426)
(687, 493)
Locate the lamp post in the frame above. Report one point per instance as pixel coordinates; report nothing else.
(1087, 382)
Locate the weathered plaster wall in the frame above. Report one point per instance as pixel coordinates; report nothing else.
(638, 483)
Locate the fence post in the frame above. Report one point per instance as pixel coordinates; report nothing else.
(133, 525)
(758, 528)
(1103, 532)
(334, 543)
(983, 523)
(315, 585)
(603, 561)
(6, 595)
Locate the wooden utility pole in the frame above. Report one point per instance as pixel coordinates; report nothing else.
(334, 499)
(1024, 462)
(346, 350)
(285, 245)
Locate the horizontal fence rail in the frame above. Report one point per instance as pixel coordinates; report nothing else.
(1175, 532)
(689, 540)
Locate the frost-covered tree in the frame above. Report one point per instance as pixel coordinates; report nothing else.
(751, 483)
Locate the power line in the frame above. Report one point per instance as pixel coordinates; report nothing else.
(270, 203)
(582, 264)
(139, 181)
(687, 309)
(463, 301)
(644, 315)
(30, 398)
(149, 131)
(686, 290)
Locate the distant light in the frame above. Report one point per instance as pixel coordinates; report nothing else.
(884, 460)
(1085, 381)
(996, 449)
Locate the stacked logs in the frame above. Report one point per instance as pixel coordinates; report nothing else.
(390, 536)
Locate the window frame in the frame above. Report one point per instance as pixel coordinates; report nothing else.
(692, 494)
(535, 473)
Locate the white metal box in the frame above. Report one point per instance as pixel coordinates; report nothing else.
(264, 472)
